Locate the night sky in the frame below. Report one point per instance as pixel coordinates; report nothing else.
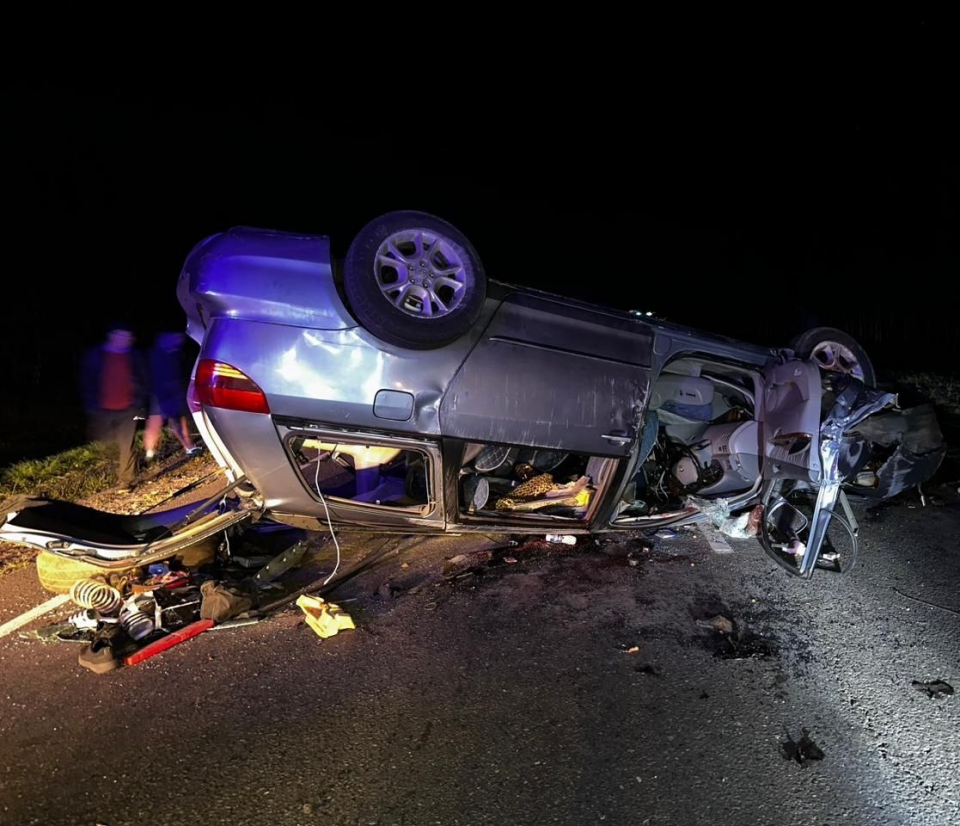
(740, 219)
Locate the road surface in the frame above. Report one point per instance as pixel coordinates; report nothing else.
(619, 683)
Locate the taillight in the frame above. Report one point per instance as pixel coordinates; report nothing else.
(193, 403)
(220, 385)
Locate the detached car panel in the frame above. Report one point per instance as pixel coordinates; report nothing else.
(402, 390)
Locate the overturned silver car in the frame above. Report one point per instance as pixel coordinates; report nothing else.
(402, 390)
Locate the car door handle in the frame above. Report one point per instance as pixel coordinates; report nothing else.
(616, 439)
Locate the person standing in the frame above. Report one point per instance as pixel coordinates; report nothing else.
(113, 379)
(168, 394)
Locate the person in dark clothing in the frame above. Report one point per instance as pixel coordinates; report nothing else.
(168, 394)
(113, 384)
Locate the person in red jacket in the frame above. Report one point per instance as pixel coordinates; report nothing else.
(114, 393)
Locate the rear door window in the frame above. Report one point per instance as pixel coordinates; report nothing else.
(371, 472)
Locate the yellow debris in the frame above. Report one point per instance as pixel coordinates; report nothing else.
(325, 618)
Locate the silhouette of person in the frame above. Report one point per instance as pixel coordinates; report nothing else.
(113, 385)
(168, 394)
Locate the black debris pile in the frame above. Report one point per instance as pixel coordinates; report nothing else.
(801, 751)
(934, 689)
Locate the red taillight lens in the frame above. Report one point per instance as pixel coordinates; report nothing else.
(193, 403)
(220, 385)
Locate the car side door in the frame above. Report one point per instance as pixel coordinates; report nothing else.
(552, 374)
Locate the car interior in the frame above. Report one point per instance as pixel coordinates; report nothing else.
(373, 474)
(701, 437)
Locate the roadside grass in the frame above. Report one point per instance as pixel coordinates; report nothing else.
(70, 475)
(73, 474)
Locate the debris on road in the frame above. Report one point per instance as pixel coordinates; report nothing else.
(718, 623)
(802, 750)
(325, 618)
(131, 615)
(715, 540)
(935, 689)
(388, 590)
(465, 563)
(172, 639)
(221, 601)
(744, 526)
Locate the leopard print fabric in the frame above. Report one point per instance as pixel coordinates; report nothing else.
(531, 489)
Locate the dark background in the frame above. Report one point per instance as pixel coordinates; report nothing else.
(745, 213)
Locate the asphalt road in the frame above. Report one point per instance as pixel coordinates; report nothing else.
(596, 684)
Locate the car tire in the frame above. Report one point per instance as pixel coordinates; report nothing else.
(57, 573)
(835, 351)
(413, 280)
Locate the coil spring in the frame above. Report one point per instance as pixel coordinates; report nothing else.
(137, 624)
(91, 593)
